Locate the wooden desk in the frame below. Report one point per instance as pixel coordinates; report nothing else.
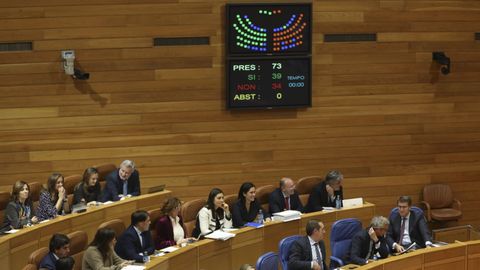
(15, 248)
(458, 256)
(250, 243)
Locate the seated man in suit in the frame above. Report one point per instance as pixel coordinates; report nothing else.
(59, 247)
(285, 197)
(326, 193)
(308, 252)
(122, 183)
(137, 239)
(371, 243)
(407, 227)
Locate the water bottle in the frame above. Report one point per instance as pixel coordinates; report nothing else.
(338, 202)
(27, 215)
(145, 257)
(260, 217)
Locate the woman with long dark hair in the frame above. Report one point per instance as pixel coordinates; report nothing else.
(87, 191)
(213, 216)
(100, 255)
(19, 211)
(53, 200)
(247, 207)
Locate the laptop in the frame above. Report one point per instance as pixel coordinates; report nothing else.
(352, 202)
(79, 208)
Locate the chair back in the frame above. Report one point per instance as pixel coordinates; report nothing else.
(71, 181)
(189, 213)
(284, 249)
(341, 238)
(230, 200)
(154, 215)
(78, 244)
(35, 188)
(116, 224)
(262, 194)
(305, 186)
(438, 195)
(4, 199)
(418, 211)
(268, 261)
(36, 257)
(104, 170)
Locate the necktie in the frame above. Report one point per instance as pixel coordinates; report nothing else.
(319, 256)
(142, 241)
(287, 203)
(402, 231)
(125, 188)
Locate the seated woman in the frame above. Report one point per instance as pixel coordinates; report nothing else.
(53, 200)
(247, 207)
(213, 216)
(19, 211)
(100, 255)
(169, 227)
(88, 191)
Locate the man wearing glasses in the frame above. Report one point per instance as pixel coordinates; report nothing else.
(285, 197)
(371, 243)
(407, 227)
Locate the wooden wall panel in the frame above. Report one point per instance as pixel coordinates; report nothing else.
(381, 112)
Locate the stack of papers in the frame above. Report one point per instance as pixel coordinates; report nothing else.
(220, 235)
(287, 215)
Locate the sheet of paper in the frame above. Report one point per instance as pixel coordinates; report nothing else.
(169, 249)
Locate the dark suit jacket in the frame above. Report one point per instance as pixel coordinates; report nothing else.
(319, 198)
(300, 256)
(417, 229)
(12, 217)
(115, 186)
(48, 262)
(361, 245)
(164, 231)
(92, 194)
(276, 202)
(128, 246)
(241, 215)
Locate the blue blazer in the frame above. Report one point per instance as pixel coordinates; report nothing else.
(128, 246)
(115, 186)
(276, 202)
(48, 262)
(417, 229)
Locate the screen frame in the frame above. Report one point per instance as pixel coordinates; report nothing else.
(228, 10)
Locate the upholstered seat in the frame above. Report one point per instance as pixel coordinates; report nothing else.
(189, 213)
(439, 203)
(305, 186)
(262, 194)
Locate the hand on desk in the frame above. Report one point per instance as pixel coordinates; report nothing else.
(399, 248)
(125, 263)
